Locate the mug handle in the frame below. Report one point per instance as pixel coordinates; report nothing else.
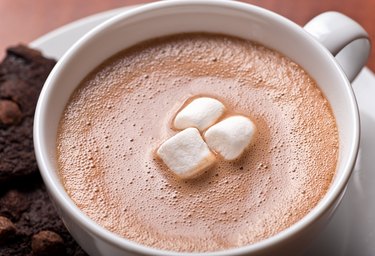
(344, 38)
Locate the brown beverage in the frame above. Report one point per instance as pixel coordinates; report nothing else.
(122, 112)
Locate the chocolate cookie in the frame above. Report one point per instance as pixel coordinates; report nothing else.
(29, 224)
(22, 75)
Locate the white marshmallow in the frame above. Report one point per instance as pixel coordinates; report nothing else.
(186, 154)
(200, 113)
(231, 136)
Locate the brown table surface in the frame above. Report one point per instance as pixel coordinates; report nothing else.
(25, 20)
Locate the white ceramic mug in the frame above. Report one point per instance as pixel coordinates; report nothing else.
(312, 47)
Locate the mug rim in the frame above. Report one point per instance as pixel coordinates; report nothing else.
(66, 203)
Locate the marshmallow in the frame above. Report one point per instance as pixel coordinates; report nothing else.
(186, 154)
(231, 136)
(200, 113)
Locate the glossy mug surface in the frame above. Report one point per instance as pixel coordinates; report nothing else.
(224, 17)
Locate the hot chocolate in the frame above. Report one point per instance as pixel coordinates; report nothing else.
(123, 111)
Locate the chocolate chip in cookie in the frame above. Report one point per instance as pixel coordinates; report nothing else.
(10, 113)
(47, 243)
(7, 229)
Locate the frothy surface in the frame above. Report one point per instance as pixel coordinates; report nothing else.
(123, 111)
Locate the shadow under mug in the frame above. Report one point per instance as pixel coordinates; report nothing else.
(313, 47)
